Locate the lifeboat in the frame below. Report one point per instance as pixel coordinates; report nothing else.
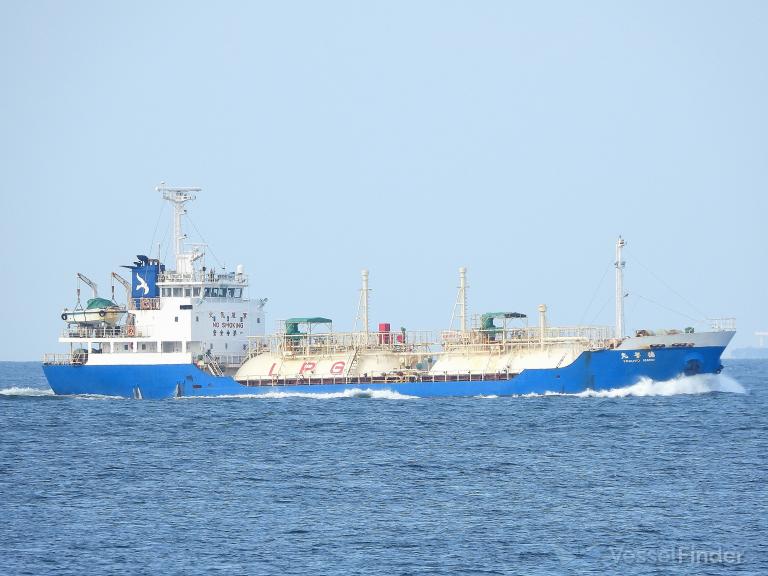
(96, 311)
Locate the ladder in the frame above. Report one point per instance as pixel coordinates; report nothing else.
(213, 365)
(353, 364)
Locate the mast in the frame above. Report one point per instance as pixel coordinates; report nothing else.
(542, 324)
(364, 303)
(463, 299)
(179, 197)
(461, 302)
(620, 243)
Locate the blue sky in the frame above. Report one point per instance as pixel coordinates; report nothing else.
(410, 138)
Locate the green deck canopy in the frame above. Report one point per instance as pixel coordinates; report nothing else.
(309, 320)
(292, 324)
(487, 318)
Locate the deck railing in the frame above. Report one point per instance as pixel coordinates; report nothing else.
(66, 359)
(200, 277)
(722, 324)
(338, 342)
(590, 337)
(525, 337)
(224, 362)
(92, 332)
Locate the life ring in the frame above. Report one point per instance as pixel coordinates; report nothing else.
(130, 330)
(64, 316)
(145, 304)
(102, 313)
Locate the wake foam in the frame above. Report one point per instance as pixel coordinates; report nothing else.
(351, 393)
(699, 384)
(21, 391)
(96, 397)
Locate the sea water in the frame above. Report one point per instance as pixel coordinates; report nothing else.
(657, 478)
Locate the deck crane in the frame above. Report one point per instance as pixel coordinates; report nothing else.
(91, 284)
(126, 285)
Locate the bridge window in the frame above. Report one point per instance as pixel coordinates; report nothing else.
(187, 291)
(171, 347)
(177, 292)
(196, 292)
(166, 292)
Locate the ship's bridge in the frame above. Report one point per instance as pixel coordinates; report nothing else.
(204, 284)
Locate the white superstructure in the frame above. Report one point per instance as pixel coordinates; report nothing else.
(189, 314)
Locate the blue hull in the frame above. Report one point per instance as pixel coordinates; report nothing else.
(600, 370)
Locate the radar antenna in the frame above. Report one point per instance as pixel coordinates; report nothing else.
(179, 197)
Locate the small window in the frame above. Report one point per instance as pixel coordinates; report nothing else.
(197, 318)
(195, 292)
(258, 320)
(125, 347)
(177, 292)
(225, 346)
(175, 318)
(143, 346)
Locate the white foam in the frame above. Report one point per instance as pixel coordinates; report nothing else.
(351, 393)
(17, 391)
(488, 397)
(96, 397)
(539, 395)
(699, 384)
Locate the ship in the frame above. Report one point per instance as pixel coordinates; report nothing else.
(759, 352)
(193, 331)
